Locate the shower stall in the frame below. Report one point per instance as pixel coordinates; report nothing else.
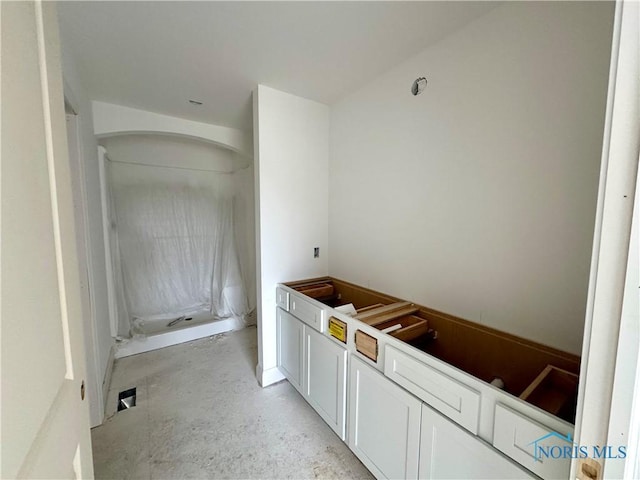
(180, 223)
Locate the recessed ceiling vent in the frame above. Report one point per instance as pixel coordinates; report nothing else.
(195, 102)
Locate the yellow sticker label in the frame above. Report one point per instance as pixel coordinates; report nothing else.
(338, 329)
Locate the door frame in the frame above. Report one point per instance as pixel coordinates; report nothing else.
(611, 249)
(76, 160)
(108, 249)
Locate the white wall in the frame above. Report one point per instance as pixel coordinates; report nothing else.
(478, 197)
(291, 157)
(98, 332)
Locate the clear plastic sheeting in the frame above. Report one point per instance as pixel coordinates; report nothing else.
(177, 254)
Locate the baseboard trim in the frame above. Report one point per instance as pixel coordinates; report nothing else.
(269, 376)
(135, 346)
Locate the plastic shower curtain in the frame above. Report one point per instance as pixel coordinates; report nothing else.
(177, 253)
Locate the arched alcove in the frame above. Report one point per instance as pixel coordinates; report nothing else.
(140, 159)
(115, 120)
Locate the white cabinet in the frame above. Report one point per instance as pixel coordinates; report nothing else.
(282, 298)
(383, 417)
(518, 436)
(384, 423)
(290, 347)
(448, 451)
(306, 311)
(325, 379)
(316, 367)
(450, 397)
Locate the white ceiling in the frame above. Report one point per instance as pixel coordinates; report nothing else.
(158, 55)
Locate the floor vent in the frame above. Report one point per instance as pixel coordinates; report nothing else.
(127, 399)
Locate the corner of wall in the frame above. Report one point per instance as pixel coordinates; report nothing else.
(291, 138)
(106, 381)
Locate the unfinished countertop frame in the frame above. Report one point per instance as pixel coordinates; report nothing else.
(489, 396)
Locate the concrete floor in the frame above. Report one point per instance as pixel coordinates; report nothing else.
(201, 414)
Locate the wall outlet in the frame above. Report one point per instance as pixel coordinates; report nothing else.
(316, 252)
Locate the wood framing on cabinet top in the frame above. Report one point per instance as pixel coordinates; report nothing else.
(478, 350)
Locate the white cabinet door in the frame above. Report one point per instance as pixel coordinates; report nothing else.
(519, 436)
(384, 423)
(448, 451)
(290, 338)
(325, 379)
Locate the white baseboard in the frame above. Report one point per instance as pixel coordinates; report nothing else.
(135, 346)
(269, 376)
(106, 381)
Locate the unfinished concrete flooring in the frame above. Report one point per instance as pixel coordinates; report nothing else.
(201, 414)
